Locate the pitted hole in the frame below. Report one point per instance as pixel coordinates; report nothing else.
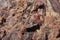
(13, 14)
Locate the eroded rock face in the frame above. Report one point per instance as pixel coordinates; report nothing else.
(3, 3)
(29, 20)
(55, 5)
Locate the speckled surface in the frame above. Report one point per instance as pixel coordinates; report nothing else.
(29, 19)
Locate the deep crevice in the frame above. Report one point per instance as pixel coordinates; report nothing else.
(39, 7)
(46, 37)
(4, 34)
(58, 36)
(3, 21)
(0, 38)
(33, 29)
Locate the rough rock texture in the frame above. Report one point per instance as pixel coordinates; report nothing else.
(29, 19)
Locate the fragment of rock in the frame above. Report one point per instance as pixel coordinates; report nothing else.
(3, 3)
(56, 5)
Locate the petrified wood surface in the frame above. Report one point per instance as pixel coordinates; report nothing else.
(29, 19)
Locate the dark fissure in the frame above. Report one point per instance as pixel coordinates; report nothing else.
(4, 34)
(39, 7)
(33, 29)
(0, 38)
(58, 36)
(46, 37)
(2, 21)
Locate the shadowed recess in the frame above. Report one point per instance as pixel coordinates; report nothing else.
(34, 28)
(58, 36)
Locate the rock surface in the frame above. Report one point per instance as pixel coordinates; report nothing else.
(29, 19)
